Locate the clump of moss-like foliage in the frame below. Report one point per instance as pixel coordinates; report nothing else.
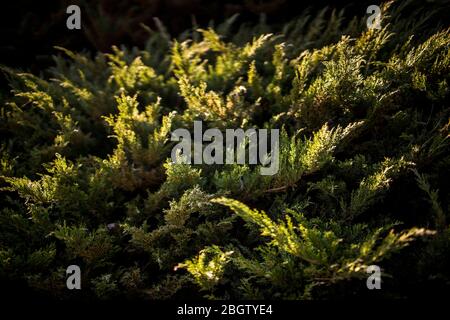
(86, 176)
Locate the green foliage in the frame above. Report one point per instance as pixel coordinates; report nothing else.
(433, 196)
(86, 176)
(322, 253)
(372, 186)
(208, 267)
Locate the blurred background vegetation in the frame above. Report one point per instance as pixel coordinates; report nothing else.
(30, 29)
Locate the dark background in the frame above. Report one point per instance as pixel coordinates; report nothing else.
(30, 29)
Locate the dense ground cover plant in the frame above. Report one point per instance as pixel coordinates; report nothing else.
(86, 176)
